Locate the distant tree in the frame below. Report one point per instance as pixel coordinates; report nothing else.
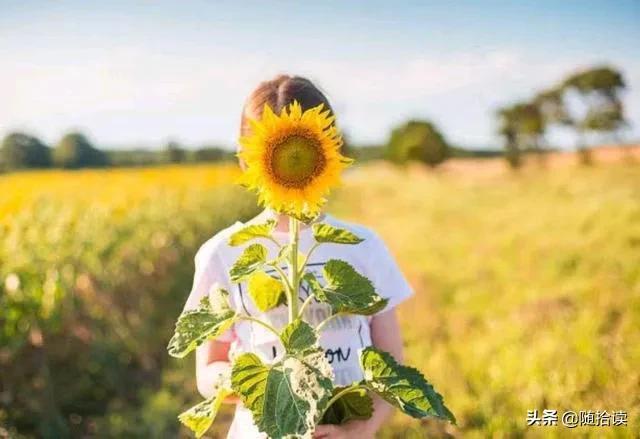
(599, 90)
(523, 126)
(175, 153)
(508, 128)
(551, 105)
(417, 140)
(212, 154)
(75, 151)
(19, 151)
(370, 152)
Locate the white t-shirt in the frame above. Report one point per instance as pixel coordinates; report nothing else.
(341, 338)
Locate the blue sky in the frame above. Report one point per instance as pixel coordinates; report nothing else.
(138, 74)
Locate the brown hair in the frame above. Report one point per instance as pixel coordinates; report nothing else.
(278, 93)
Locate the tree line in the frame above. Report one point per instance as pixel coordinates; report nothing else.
(588, 101)
(23, 151)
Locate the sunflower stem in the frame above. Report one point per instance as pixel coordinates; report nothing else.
(294, 274)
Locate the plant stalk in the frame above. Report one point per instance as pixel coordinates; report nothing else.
(262, 323)
(326, 321)
(294, 275)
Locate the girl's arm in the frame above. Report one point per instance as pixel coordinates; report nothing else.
(212, 359)
(385, 335)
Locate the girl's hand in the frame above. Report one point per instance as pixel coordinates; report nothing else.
(350, 430)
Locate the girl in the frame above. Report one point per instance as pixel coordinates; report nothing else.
(344, 336)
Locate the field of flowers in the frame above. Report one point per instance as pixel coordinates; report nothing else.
(94, 267)
(528, 292)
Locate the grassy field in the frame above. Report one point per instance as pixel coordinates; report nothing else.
(528, 292)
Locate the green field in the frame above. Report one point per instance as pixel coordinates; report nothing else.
(528, 293)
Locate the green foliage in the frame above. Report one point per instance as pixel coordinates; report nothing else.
(286, 398)
(602, 109)
(290, 397)
(19, 151)
(252, 258)
(175, 153)
(213, 154)
(327, 233)
(75, 151)
(346, 290)
(196, 326)
(402, 386)
(266, 291)
(251, 232)
(298, 337)
(601, 79)
(417, 140)
(200, 417)
(522, 125)
(352, 405)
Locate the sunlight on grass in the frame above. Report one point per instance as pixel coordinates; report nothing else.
(528, 290)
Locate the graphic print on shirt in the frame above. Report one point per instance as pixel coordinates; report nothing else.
(341, 338)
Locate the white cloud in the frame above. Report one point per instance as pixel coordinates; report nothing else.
(130, 94)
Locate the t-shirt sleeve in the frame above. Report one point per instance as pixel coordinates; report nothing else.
(208, 271)
(386, 276)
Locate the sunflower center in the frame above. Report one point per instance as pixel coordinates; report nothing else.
(296, 160)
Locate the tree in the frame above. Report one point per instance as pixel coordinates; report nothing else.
(598, 90)
(508, 128)
(174, 153)
(19, 151)
(523, 126)
(75, 151)
(213, 154)
(418, 140)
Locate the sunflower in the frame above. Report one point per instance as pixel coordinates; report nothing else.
(293, 160)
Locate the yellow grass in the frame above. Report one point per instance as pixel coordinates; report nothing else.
(527, 285)
(528, 290)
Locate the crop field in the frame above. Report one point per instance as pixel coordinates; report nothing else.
(527, 292)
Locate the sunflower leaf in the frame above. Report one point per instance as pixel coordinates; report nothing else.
(402, 386)
(252, 258)
(200, 417)
(350, 406)
(286, 399)
(346, 290)
(251, 232)
(198, 325)
(299, 337)
(327, 233)
(267, 292)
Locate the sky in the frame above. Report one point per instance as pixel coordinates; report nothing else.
(137, 74)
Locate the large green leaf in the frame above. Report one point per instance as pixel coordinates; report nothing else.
(350, 406)
(252, 258)
(200, 417)
(266, 291)
(346, 290)
(327, 233)
(253, 231)
(402, 386)
(196, 326)
(299, 337)
(286, 399)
